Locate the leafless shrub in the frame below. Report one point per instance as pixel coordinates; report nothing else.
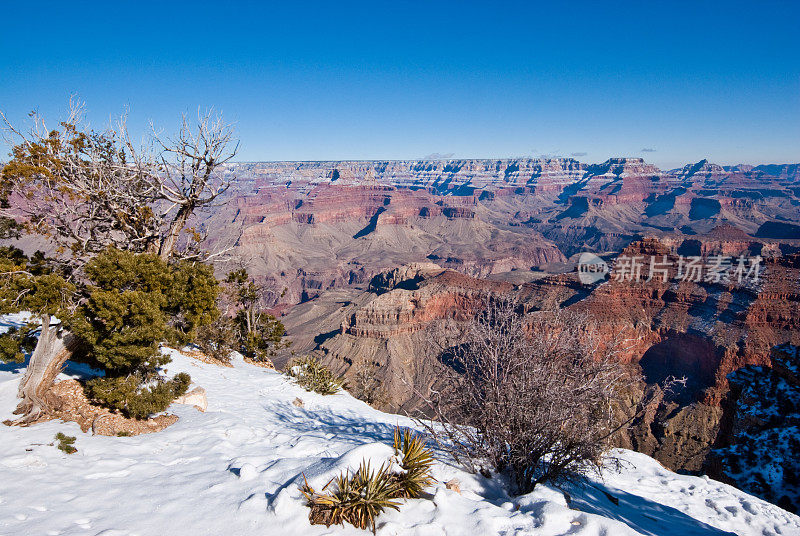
(366, 386)
(532, 395)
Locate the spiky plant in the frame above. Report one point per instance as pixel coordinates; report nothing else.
(376, 492)
(356, 499)
(417, 463)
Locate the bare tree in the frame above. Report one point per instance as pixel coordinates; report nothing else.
(531, 394)
(88, 190)
(79, 188)
(188, 172)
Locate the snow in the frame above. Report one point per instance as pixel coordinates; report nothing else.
(236, 470)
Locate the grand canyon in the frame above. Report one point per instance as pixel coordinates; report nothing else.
(364, 257)
(400, 268)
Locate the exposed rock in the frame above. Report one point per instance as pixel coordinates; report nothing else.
(196, 397)
(264, 362)
(385, 330)
(699, 330)
(309, 227)
(758, 446)
(71, 404)
(454, 485)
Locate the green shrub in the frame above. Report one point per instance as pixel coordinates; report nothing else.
(259, 334)
(263, 339)
(192, 299)
(65, 443)
(29, 284)
(217, 339)
(134, 302)
(124, 318)
(312, 375)
(15, 342)
(137, 396)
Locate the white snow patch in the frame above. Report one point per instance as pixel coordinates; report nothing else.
(236, 470)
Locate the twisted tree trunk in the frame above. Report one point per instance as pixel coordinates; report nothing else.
(54, 347)
(175, 228)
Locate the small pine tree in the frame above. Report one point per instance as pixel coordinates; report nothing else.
(134, 302)
(260, 335)
(218, 338)
(192, 299)
(312, 375)
(124, 318)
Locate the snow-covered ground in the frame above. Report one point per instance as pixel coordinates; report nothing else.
(235, 470)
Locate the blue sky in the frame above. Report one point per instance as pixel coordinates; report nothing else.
(672, 82)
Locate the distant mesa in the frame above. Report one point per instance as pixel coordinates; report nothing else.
(779, 230)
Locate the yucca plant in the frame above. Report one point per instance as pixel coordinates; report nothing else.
(312, 375)
(359, 498)
(356, 499)
(417, 463)
(375, 491)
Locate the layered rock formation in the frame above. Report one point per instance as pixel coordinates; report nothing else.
(310, 226)
(700, 330)
(384, 329)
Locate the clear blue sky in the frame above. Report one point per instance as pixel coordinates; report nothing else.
(383, 80)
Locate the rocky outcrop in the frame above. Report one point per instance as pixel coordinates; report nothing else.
(69, 401)
(421, 298)
(702, 331)
(383, 330)
(760, 438)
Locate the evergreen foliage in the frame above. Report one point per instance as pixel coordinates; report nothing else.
(101, 201)
(263, 339)
(29, 284)
(218, 339)
(312, 375)
(135, 396)
(255, 333)
(134, 302)
(124, 317)
(192, 298)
